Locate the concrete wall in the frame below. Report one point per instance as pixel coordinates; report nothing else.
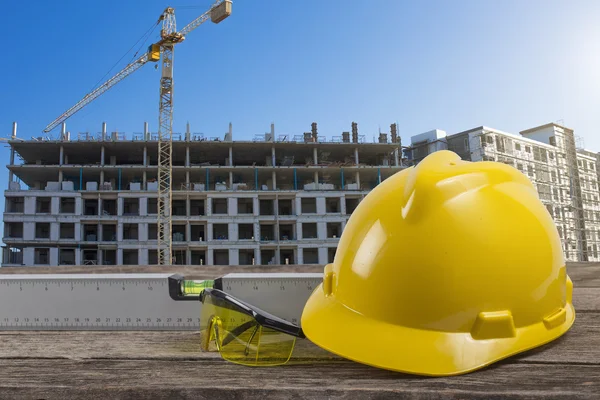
(233, 244)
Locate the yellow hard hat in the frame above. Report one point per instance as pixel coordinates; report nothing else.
(442, 269)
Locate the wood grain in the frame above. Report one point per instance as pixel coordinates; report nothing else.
(170, 365)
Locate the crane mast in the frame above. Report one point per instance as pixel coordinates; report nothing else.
(169, 37)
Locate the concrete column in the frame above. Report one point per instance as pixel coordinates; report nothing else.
(143, 257)
(119, 231)
(101, 179)
(256, 228)
(299, 231)
(60, 176)
(54, 231)
(61, 158)
(188, 257)
(396, 157)
(317, 178)
(274, 179)
(28, 256)
(257, 259)
(234, 257)
(187, 155)
(144, 206)
(358, 179)
(187, 206)
(210, 257)
(53, 256)
(12, 155)
(103, 133)
(119, 256)
(233, 233)
(299, 256)
(273, 155)
(315, 159)
(120, 206)
(102, 155)
(187, 181)
(143, 232)
(209, 232)
(54, 205)
(232, 208)
(230, 156)
(323, 255)
(28, 230)
(322, 230)
(188, 234)
(356, 155)
(78, 256)
(298, 206)
(188, 136)
(63, 131)
(145, 156)
(14, 131)
(321, 206)
(208, 206)
(277, 258)
(29, 206)
(146, 137)
(144, 179)
(230, 180)
(342, 205)
(255, 207)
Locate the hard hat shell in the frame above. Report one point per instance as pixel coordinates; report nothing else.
(442, 269)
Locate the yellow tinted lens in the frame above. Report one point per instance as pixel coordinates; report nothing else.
(239, 337)
(207, 314)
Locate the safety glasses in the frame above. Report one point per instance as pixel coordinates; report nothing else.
(244, 334)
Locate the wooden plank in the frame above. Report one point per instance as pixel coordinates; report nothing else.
(215, 379)
(581, 345)
(167, 365)
(584, 274)
(586, 299)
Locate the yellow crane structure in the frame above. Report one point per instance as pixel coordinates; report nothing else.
(163, 51)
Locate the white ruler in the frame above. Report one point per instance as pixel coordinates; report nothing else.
(93, 302)
(135, 301)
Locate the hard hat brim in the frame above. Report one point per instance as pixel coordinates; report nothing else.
(349, 334)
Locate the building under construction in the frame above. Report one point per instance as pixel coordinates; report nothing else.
(566, 175)
(282, 199)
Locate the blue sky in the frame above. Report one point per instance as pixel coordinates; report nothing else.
(451, 65)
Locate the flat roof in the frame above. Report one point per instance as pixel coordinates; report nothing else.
(548, 125)
(512, 135)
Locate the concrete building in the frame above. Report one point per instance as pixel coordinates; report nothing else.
(566, 176)
(91, 200)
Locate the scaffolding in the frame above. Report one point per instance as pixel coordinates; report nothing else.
(556, 175)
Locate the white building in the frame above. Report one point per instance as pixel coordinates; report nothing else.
(566, 178)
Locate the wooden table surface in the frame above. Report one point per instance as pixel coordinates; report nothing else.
(169, 365)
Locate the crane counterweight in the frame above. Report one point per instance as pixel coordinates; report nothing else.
(220, 12)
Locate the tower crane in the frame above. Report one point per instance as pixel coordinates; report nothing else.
(163, 51)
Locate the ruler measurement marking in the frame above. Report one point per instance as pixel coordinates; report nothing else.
(129, 303)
